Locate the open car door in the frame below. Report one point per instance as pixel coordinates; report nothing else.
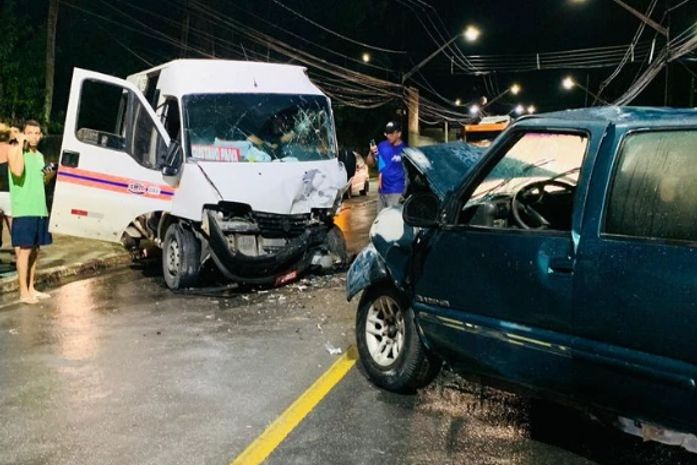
(109, 169)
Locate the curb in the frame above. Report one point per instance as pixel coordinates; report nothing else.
(58, 274)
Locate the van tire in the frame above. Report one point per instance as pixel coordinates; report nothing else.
(414, 367)
(181, 257)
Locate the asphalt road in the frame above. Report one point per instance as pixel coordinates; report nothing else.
(119, 370)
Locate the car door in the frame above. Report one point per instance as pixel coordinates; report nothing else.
(635, 309)
(108, 174)
(492, 294)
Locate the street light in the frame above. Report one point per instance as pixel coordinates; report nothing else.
(532, 109)
(519, 109)
(515, 89)
(458, 102)
(471, 34)
(569, 83)
(366, 58)
(474, 110)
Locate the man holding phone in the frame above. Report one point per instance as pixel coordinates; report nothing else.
(27, 177)
(391, 178)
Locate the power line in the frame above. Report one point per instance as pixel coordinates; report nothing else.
(334, 33)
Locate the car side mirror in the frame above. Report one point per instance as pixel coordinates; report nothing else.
(173, 159)
(421, 210)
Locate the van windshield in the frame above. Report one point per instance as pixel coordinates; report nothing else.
(259, 127)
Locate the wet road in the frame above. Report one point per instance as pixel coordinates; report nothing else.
(119, 370)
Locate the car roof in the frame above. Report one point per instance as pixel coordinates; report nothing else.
(620, 116)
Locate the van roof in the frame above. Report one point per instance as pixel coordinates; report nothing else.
(212, 76)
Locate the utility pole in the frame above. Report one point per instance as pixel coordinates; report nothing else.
(413, 115)
(50, 58)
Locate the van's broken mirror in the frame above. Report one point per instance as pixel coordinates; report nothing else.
(173, 159)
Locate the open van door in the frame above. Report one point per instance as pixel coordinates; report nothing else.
(109, 170)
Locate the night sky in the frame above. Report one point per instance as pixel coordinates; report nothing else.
(123, 36)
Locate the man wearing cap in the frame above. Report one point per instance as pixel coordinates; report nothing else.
(391, 180)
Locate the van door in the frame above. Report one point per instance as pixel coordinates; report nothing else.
(635, 296)
(109, 169)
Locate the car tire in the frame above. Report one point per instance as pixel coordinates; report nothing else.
(405, 364)
(181, 257)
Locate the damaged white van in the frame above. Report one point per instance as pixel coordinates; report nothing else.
(212, 160)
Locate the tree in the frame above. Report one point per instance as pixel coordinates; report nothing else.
(21, 68)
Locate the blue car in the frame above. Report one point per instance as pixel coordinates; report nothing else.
(561, 262)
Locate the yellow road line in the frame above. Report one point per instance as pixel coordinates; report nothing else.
(260, 449)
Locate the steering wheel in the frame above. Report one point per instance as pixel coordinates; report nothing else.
(534, 193)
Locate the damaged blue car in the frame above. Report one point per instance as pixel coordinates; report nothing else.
(561, 262)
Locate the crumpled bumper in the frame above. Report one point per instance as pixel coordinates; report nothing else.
(367, 268)
(287, 264)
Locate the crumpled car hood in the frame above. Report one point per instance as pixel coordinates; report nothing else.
(444, 165)
(284, 188)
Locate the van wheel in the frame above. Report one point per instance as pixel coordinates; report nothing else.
(391, 352)
(181, 255)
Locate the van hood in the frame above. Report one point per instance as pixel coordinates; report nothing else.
(444, 165)
(277, 187)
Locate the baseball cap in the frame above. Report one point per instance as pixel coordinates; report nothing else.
(392, 126)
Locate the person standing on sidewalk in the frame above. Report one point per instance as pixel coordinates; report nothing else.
(391, 178)
(29, 212)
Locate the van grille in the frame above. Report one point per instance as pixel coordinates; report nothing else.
(275, 225)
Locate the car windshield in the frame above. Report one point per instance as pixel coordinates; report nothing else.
(259, 127)
(534, 157)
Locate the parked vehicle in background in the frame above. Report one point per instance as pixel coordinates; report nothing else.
(360, 182)
(561, 263)
(232, 163)
(483, 132)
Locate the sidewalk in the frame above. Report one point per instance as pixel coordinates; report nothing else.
(67, 257)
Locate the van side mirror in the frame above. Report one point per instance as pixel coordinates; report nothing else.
(421, 210)
(173, 159)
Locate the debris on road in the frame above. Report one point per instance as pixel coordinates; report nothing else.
(333, 350)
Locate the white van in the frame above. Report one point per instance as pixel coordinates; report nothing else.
(234, 162)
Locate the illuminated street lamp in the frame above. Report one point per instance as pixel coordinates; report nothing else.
(366, 57)
(458, 102)
(519, 109)
(569, 83)
(471, 34)
(515, 89)
(474, 110)
(532, 109)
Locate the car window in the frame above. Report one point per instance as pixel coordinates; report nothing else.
(653, 193)
(532, 186)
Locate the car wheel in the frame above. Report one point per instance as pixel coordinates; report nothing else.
(181, 255)
(391, 352)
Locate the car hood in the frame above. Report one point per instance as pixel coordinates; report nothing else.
(284, 188)
(445, 165)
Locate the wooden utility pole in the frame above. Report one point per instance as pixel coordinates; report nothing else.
(413, 115)
(50, 58)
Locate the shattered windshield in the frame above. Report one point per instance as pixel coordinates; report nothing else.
(259, 127)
